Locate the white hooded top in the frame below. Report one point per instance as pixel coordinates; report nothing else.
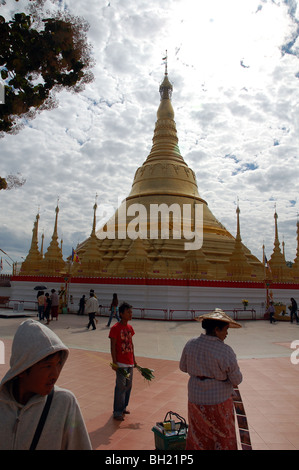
(64, 428)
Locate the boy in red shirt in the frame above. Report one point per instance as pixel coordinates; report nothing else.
(123, 359)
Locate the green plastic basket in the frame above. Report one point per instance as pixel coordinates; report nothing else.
(177, 439)
(162, 442)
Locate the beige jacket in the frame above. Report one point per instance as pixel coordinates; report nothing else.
(64, 428)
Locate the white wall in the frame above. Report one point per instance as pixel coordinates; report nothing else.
(155, 299)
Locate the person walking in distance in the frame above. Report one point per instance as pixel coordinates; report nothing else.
(113, 309)
(91, 307)
(294, 309)
(54, 304)
(81, 305)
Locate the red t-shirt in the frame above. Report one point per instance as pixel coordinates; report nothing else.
(124, 344)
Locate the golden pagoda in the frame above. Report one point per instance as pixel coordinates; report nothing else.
(131, 245)
(163, 248)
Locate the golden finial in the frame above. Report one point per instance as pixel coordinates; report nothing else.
(238, 207)
(165, 62)
(94, 216)
(57, 208)
(42, 244)
(96, 202)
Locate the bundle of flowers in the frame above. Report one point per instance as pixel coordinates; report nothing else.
(121, 370)
(145, 372)
(245, 302)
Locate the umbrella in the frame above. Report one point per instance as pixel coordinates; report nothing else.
(40, 287)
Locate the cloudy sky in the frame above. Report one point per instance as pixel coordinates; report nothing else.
(235, 72)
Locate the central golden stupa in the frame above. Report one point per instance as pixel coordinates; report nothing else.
(165, 180)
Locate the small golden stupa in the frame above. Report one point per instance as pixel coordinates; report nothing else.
(52, 263)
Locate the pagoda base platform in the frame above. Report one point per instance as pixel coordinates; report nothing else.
(165, 299)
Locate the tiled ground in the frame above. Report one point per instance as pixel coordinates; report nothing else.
(269, 388)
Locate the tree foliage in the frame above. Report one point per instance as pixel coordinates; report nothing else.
(38, 57)
(3, 183)
(12, 181)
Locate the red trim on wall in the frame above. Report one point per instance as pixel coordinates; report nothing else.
(280, 285)
(156, 282)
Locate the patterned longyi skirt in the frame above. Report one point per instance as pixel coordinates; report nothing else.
(211, 427)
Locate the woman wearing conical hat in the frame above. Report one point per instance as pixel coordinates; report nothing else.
(214, 372)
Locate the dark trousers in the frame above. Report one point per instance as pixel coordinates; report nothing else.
(122, 391)
(294, 314)
(272, 319)
(91, 320)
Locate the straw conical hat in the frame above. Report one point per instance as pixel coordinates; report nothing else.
(219, 315)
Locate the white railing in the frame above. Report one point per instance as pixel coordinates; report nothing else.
(151, 313)
(182, 314)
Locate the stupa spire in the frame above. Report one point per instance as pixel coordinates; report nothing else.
(295, 267)
(32, 262)
(277, 261)
(90, 258)
(165, 172)
(42, 244)
(297, 253)
(238, 266)
(238, 235)
(53, 260)
(165, 59)
(34, 242)
(55, 232)
(93, 232)
(276, 241)
(165, 141)
(166, 87)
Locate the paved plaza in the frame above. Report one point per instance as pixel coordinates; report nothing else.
(269, 388)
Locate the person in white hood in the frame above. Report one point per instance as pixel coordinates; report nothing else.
(37, 358)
